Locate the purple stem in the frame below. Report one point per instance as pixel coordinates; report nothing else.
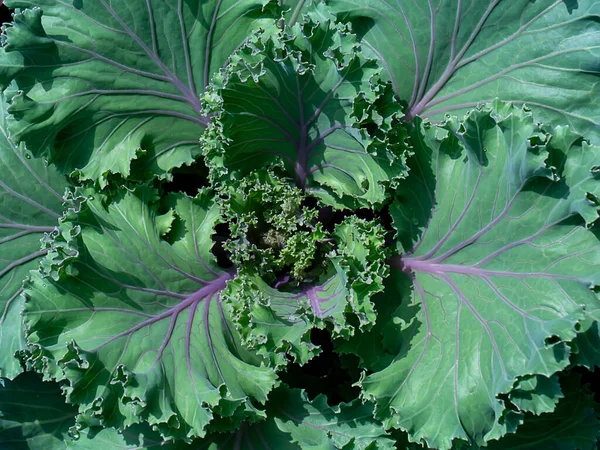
(425, 75)
(415, 265)
(202, 294)
(315, 302)
(419, 107)
(312, 292)
(192, 97)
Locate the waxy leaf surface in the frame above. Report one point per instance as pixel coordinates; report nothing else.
(135, 325)
(496, 265)
(30, 205)
(450, 55)
(104, 82)
(292, 97)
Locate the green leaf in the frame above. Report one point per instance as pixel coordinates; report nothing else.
(361, 248)
(134, 324)
(298, 98)
(34, 415)
(276, 319)
(537, 394)
(105, 83)
(271, 231)
(294, 10)
(574, 424)
(30, 205)
(450, 56)
(586, 347)
(135, 437)
(293, 423)
(277, 323)
(316, 425)
(262, 435)
(296, 423)
(496, 264)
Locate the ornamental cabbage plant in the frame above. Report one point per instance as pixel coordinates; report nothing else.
(261, 224)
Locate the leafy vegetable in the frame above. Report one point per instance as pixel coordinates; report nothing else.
(573, 425)
(502, 268)
(298, 97)
(450, 56)
(138, 314)
(30, 205)
(252, 224)
(127, 76)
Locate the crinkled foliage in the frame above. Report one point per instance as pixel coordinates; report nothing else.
(448, 56)
(253, 224)
(30, 205)
(142, 321)
(504, 266)
(303, 97)
(102, 83)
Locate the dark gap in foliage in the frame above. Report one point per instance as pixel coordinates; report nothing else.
(385, 219)
(505, 398)
(310, 202)
(327, 217)
(328, 373)
(330, 218)
(188, 179)
(552, 340)
(370, 127)
(222, 233)
(5, 14)
(591, 378)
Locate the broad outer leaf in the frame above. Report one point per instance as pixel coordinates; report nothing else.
(135, 326)
(298, 97)
(500, 273)
(293, 423)
(34, 415)
(30, 204)
(103, 82)
(135, 437)
(450, 55)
